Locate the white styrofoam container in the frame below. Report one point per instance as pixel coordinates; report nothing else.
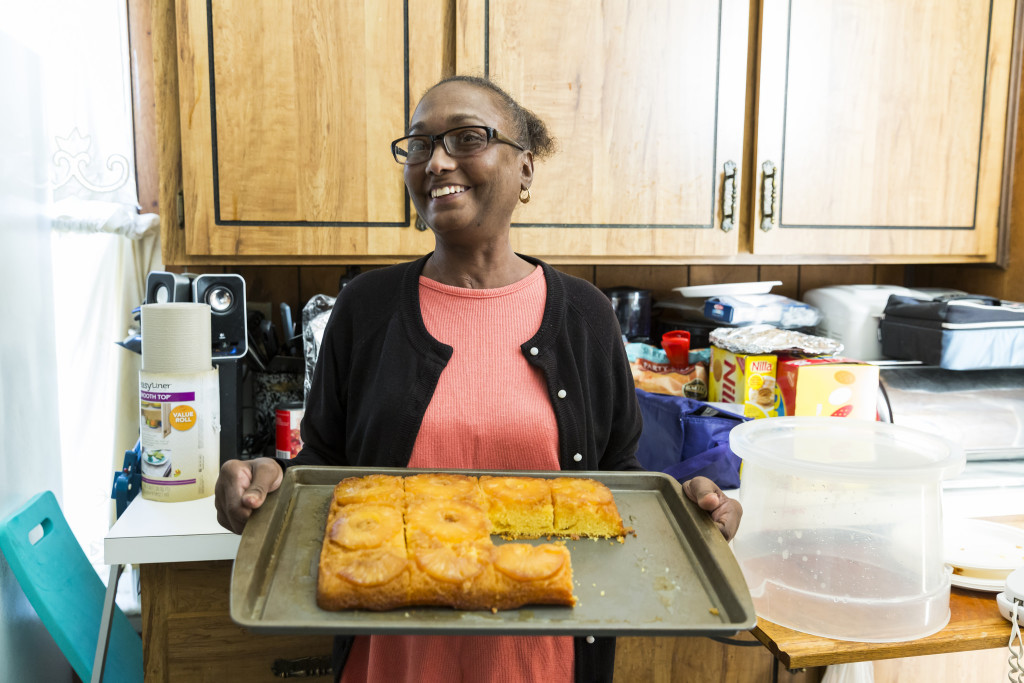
(850, 315)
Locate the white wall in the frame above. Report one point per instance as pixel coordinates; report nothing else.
(29, 430)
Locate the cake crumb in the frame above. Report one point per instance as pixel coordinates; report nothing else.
(713, 611)
(602, 594)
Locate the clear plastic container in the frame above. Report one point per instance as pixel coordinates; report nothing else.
(842, 526)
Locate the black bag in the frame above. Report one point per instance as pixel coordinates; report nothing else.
(954, 333)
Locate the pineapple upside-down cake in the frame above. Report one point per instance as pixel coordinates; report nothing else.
(425, 539)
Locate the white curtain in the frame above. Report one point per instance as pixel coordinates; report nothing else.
(30, 446)
(102, 248)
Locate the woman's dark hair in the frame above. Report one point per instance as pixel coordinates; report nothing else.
(531, 132)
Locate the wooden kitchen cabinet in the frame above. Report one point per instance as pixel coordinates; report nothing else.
(188, 635)
(883, 124)
(287, 111)
(880, 128)
(647, 102)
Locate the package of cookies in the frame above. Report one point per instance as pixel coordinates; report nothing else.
(828, 387)
(744, 379)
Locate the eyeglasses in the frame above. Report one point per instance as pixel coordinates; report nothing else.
(463, 141)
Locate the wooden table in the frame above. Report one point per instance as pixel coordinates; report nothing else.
(974, 624)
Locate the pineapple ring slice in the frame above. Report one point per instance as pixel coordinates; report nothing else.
(449, 521)
(370, 488)
(372, 567)
(524, 562)
(451, 564)
(517, 489)
(441, 486)
(361, 527)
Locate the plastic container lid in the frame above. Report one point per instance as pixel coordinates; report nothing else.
(846, 449)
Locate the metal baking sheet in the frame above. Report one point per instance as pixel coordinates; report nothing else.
(675, 576)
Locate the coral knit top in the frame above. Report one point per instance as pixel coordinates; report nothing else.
(490, 411)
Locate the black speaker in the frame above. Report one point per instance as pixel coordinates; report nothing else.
(163, 287)
(225, 294)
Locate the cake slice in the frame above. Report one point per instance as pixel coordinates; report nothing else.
(526, 574)
(450, 549)
(585, 507)
(458, 575)
(363, 561)
(519, 507)
(443, 486)
(373, 488)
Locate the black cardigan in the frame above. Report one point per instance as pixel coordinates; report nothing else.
(378, 367)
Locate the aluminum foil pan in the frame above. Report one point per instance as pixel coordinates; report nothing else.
(756, 339)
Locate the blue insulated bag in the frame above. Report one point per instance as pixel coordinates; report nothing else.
(686, 438)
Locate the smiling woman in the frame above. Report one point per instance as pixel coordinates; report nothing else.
(474, 179)
(471, 357)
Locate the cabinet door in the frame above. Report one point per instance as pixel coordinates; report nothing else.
(881, 127)
(646, 101)
(287, 113)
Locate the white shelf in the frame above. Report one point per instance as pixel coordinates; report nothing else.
(150, 531)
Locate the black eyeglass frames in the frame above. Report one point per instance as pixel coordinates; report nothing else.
(463, 141)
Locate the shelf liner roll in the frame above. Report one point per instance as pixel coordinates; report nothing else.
(176, 338)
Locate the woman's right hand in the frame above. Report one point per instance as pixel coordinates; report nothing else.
(242, 486)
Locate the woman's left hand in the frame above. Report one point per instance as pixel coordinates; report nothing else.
(725, 512)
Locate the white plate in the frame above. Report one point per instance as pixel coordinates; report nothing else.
(728, 289)
(987, 585)
(983, 551)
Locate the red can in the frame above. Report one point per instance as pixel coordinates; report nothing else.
(287, 418)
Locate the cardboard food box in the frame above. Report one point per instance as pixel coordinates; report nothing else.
(828, 387)
(744, 379)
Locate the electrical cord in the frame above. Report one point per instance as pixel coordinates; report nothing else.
(1016, 651)
(736, 641)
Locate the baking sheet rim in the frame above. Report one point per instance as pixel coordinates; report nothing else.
(250, 614)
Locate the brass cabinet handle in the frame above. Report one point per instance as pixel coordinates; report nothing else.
(729, 193)
(769, 195)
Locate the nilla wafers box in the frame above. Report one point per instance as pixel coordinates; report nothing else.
(746, 379)
(828, 387)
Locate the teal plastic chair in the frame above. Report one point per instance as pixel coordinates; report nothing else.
(66, 593)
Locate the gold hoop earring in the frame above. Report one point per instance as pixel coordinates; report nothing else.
(524, 199)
